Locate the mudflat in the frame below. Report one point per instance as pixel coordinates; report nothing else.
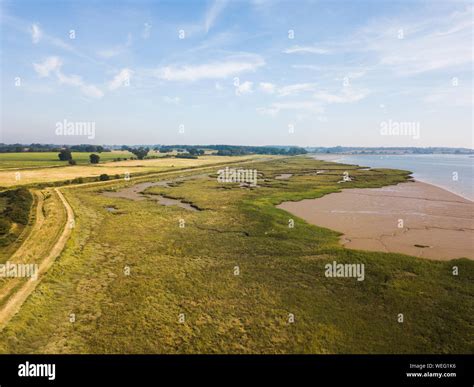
(413, 218)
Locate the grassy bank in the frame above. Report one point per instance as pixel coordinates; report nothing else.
(15, 207)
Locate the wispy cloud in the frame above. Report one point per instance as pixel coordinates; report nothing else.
(36, 33)
(288, 90)
(39, 36)
(296, 88)
(88, 90)
(347, 95)
(52, 65)
(121, 79)
(213, 12)
(116, 50)
(306, 50)
(316, 102)
(215, 70)
(244, 88)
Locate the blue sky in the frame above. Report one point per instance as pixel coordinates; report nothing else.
(309, 73)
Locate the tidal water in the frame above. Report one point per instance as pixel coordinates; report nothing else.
(454, 173)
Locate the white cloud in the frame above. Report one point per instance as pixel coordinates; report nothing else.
(36, 33)
(316, 104)
(121, 79)
(411, 47)
(244, 88)
(348, 95)
(50, 64)
(306, 50)
(295, 89)
(88, 90)
(267, 87)
(214, 70)
(288, 90)
(407, 46)
(213, 12)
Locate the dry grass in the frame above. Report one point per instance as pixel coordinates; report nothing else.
(51, 175)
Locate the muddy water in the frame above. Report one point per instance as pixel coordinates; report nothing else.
(137, 192)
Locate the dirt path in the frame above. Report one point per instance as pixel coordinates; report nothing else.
(13, 305)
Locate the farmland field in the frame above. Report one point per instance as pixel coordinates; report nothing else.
(47, 174)
(23, 160)
(230, 275)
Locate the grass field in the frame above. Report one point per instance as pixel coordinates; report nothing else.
(231, 278)
(50, 159)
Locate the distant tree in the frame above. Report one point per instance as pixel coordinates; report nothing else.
(296, 151)
(94, 159)
(65, 155)
(140, 153)
(104, 177)
(72, 162)
(185, 156)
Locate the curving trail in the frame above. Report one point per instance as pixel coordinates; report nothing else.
(14, 303)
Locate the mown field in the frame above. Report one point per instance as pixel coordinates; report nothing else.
(233, 277)
(46, 174)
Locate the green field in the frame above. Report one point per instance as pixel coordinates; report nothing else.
(50, 159)
(137, 282)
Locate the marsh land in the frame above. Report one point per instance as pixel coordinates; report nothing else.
(229, 272)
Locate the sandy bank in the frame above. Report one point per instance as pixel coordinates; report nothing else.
(412, 218)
